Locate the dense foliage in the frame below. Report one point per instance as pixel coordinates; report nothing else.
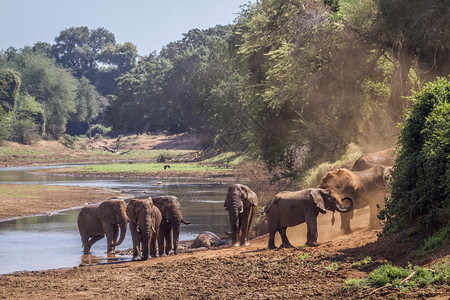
(421, 178)
(292, 82)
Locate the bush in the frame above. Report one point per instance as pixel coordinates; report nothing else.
(387, 274)
(24, 131)
(99, 129)
(68, 141)
(421, 177)
(5, 127)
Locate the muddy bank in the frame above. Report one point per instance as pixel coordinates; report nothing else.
(28, 200)
(238, 272)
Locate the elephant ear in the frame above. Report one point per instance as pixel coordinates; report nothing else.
(105, 211)
(318, 200)
(131, 213)
(251, 197)
(228, 198)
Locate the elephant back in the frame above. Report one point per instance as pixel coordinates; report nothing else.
(169, 207)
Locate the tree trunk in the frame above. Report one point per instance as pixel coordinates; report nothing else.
(90, 131)
(400, 86)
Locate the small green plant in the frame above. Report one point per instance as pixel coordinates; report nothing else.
(333, 266)
(388, 274)
(363, 262)
(303, 256)
(359, 283)
(439, 238)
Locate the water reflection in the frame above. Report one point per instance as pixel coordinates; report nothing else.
(90, 259)
(46, 242)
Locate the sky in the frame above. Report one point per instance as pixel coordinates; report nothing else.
(148, 24)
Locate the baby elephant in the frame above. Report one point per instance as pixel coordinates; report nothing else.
(145, 220)
(289, 209)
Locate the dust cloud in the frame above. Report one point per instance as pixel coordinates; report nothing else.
(326, 231)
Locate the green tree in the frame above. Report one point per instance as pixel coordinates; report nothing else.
(159, 93)
(28, 121)
(53, 88)
(9, 90)
(138, 106)
(414, 34)
(421, 178)
(123, 57)
(310, 84)
(86, 107)
(79, 47)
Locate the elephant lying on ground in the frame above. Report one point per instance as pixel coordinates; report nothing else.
(289, 209)
(145, 220)
(241, 203)
(367, 188)
(208, 239)
(170, 225)
(99, 219)
(385, 158)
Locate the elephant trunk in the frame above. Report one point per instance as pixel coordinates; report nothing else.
(341, 208)
(123, 232)
(236, 204)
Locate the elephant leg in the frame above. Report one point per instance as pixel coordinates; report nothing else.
(153, 239)
(116, 233)
(345, 222)
(85, 241)
(135, 239)
(168, 238)
(161, 243)
(284, 239)
(109, 232)
(92, 241)
(145, 240)
(311, 224)
(234, 224)
(272, 240)
(244, 221)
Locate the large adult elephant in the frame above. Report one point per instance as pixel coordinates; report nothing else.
(367, 188)
(241, 203)
(99, 219)
(289, 209)
(170, 225)
(366, 161)
(145, 220)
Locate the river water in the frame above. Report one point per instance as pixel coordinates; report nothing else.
(48, 242)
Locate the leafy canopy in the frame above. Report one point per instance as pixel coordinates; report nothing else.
(421, 178)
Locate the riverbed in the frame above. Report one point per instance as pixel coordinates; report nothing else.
(53, 241)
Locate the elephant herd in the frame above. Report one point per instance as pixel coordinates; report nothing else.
(157, 219)
(152, 219)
